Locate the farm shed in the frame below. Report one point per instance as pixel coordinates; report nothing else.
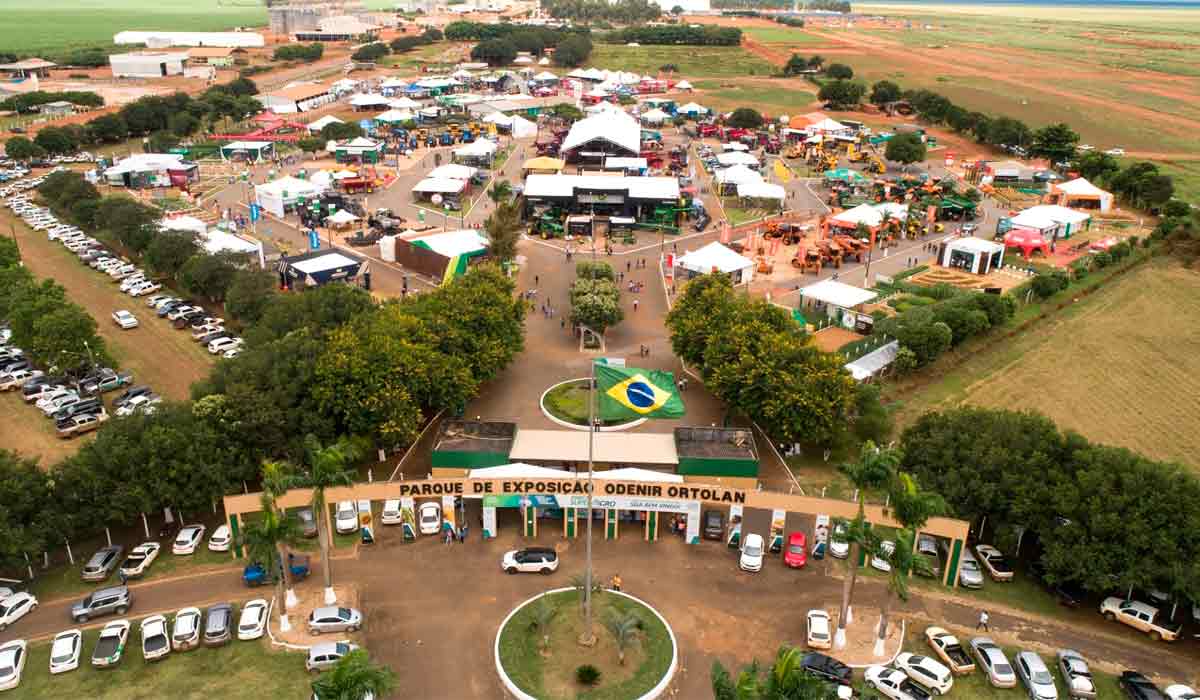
(147, 65)
(241, 40)
(217, 56)
(297, 98)
(27, 68)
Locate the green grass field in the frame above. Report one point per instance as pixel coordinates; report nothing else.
(238, 671)
(789, 36)
(692, 61)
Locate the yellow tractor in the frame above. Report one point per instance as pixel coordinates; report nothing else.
(875, 164)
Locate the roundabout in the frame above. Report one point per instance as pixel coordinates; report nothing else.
(566, 403)
(538, 655)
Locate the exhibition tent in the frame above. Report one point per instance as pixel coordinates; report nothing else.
(655, 116)
(1028, 241)
(736, 158)
(761, 190)
(522, 128)
(1082, 193)
(323, 122)
(453, 171)
(277, 194)
(714, 257)
(737, 175)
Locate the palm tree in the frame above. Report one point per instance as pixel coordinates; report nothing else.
(353, 677)
(624, 630)
(785, 680)
(266, 541)
(579, 583)
(543, 614)
(874, 469)
(276, 478)
(328, 467)
(904, 562)
(500, 192)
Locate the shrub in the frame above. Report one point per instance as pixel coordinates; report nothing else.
(587, 674)
(1048, 284)
(1079, 270)
(1103, 259)
(586, 269)
(905, 362)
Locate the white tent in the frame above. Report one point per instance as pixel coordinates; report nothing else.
(693, 108)
(871, 214)
(736, 158)
(761, 190)
(394, 116)
(452, 243)
(655, 116)
(715, 257)
(544, 61)
(1080, 188)
(460, 73)
(403, 103)
(617, 127)
(838, 294)
(438, 185)
(498, 118)
(736, 175)
(603, 108)
(369, 101)
(321, 178)
(453, 171)
(393, 83)
(734, 146)
(481, 148)
(344, 175)
(184, 223)
(683, 85)
(275, 195)
(218, 241)
(523, 128)
(323, 122)
(523, 60)
(827, 126)
(545, 76)
(341, 216)
(1051, 220)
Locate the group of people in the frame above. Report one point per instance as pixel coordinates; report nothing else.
(450, 534)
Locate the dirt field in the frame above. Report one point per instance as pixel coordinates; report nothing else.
(1123, 367)
(158, 355)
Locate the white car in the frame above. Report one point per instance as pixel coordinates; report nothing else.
(1181, 692)
(993, 663)
(430, 518)
(65, 651)
(531, 560)
(1116, 152)
(392, 512)
(157, 298)
(19, 377)
(185, 632)
(1078, 677)
(125, 320)
(880, 561)
(140, 558)
(132, 281)
(48, 400)
(221, 345)
(893, 684)
(253, 620)
(345, 517)
(232, 353)
(156, 643)
(927, 671)
(144, 403)
(1085, 147)
(12, 663)
(144, 288)
(839, 547)
(220, 540)
(327, 654)
(751, 558)
(820, 631)
(188, 539)
(110, 647)
(14, 607)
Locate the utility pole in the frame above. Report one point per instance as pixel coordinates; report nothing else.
(588, 637)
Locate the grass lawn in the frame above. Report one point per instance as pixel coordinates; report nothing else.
(1023, 593)
(569, 402)
(737, 215)
(792, 36)
(1133, 345)
(552, 676)
(1186, 176)
(239, 670)
(729, 97)
(692, 61)
(28, 431)
(64, 581)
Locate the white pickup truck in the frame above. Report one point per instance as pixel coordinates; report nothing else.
(1141, 617)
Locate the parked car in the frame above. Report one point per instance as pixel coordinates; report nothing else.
(928, 549)
(198, 332)
(156, 643)
(334, 619)
(218, 625)
(111, 644)
(105, 601)
(1181, 692)
(994, 562)
(145, 288)
(327, 654)
(85, 404)
(969, 573)
(1138, 687)
(894, 684)
(714, 524)
(188, 539)
(1116, 152)
(185, 631)
(1035, 676)
(16, 606)
(18, 378)
(430, 517)
(795, 555)
(144, 404)
(926, 671)
(392, 513)
(102, 563)
(222, 344)
(220, 540)
(65, 651)
(1076, 674)
(253, 620)
(993, 663)
(542, 560)
(125, 320)
(13, 655)
(308, 523)
(345, 517)
(820, 631)
(125, 396)
(107, 380)
(1140, 616)
(76, 425)
(140, 558)
(839, 546)
(946, 646)
(879, 561)
(826, 668)
(753, 549)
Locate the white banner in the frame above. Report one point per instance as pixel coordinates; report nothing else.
(489, 523)
(448, 513)
(692, 508)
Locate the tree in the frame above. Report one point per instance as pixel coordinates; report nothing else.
(624, 629)
(267, 540)
(369, 53)
(839, 71)
(501, 191)
(1055, 142)
(56, 141)
(786, 679)
(745, 118)
(1006, 131)
(328, 466)
(1143, 185)
(404, 44)
(503, 228)
(883, 92)
(573, 51)
(25, 491)
(905, 148)
(209, 275)
(108, 128)
(22, 149)
(495, 52)
(816, 61)
(596, 303)
(311, 144)
(338, 131)
(677, 10)
(353, 677)
(544, 613)
(183, 124)
(162, 142)
(903, 561)
(796, 65)
(169, 250)
(1096, 165)
(918, 330)
(250, 292)
(66, 338)
(841, 94)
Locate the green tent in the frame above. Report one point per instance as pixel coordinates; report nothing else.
(845, 175)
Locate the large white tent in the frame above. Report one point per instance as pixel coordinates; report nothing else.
(692, 108)
(716, 257)
(522, 128)
(655, 116)
(729, 158)
(453, 171)
(871, 215)
(1051, 220)
(396, 116)
(481, 148)
(1080, 190)
(737, 175)
(368, 100)
(275, 195)
(617, 127)
(323, 122)
(761, 190)
(403, 103)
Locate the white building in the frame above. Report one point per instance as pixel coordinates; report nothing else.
(158, 40)
(147, 65)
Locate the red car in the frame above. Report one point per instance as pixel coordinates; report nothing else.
(796, 553)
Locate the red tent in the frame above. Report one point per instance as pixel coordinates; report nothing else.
(1027, 240)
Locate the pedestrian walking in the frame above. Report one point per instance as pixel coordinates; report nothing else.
(628, 265)
(615, 583)
(537, 281)
(121, 575)
(983, 622)
(635, 304)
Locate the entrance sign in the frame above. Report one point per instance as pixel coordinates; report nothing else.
(569, 486)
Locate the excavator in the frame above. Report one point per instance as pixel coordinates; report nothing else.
(875, 164)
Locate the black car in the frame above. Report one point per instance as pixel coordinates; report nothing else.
(826, 668)
(204, 340)
(124, 397)
(168, 308)
(1138, 687)
(714, 524)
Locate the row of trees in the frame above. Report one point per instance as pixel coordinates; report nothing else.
(28, 102)
(300, 52)
(407, 43)
(596, 11)
(479, 31)
(798, 64)
(677, 34)
(1107, 518)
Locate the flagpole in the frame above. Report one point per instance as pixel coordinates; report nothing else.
(588, 638)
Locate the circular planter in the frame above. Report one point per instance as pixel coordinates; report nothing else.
(654, 691)
(581, 426)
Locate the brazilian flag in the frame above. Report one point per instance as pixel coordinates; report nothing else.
(630, 393)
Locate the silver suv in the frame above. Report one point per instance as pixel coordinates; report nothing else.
(105, 601)
(102, 563)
